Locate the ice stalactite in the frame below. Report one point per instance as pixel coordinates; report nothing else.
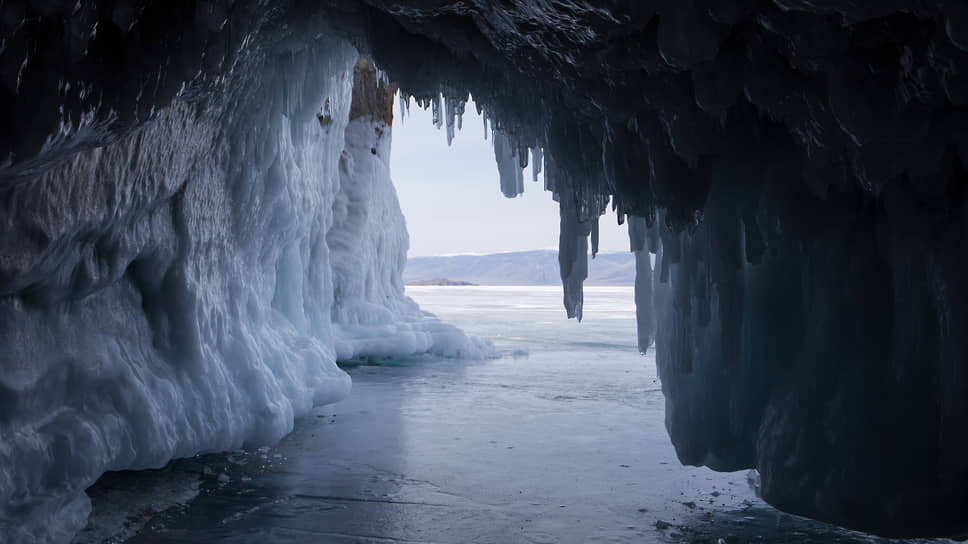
(572, 247)
(644, 279)
(454, 116)
(573, 259)
(437, 110)
(537, 161)
(511, 175)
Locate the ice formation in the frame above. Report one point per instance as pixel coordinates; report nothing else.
(798, 171)
(508, 169)
(797, 168)
(189, 287)
(367, 242)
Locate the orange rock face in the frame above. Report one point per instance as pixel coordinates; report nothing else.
(371, 94)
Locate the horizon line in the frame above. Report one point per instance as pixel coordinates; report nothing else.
(475, 254)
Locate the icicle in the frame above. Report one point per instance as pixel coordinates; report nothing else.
(404, 106)
(644, 279)
(644, 300)
(670, 248)
(637, 233)
(572, 255)
(461, 105)
(451, 115)
(512, 178)
(382, 78)
(438, 115)
(594, 237)
(653, 238)
(536, 160)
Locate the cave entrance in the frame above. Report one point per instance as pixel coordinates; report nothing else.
(470, 244)
(453, 205)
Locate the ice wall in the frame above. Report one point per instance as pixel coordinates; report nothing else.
(372, 319)
(832, 365)
(188, 287)
(148, 304)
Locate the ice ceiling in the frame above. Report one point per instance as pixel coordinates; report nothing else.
(798, 168)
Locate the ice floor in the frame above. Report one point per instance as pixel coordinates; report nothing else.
(561, 440)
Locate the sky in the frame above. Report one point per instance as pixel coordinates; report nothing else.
(452, 199)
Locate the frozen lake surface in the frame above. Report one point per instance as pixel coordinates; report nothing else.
(560, 440)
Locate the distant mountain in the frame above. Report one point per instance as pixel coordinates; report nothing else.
(439, 281)
(519, 268)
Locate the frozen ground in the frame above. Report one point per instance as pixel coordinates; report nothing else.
(560, 440)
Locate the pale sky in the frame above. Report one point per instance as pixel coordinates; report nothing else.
(452, 199)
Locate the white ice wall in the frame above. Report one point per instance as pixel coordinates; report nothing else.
(175, 292)
(368, 242)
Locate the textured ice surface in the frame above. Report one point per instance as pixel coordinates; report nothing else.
(190, 288)
(372, 319)
(148, 284)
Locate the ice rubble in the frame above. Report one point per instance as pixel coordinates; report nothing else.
(189, 288)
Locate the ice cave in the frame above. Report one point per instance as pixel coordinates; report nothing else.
(198, 222)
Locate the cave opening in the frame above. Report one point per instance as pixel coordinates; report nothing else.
(450, 196)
